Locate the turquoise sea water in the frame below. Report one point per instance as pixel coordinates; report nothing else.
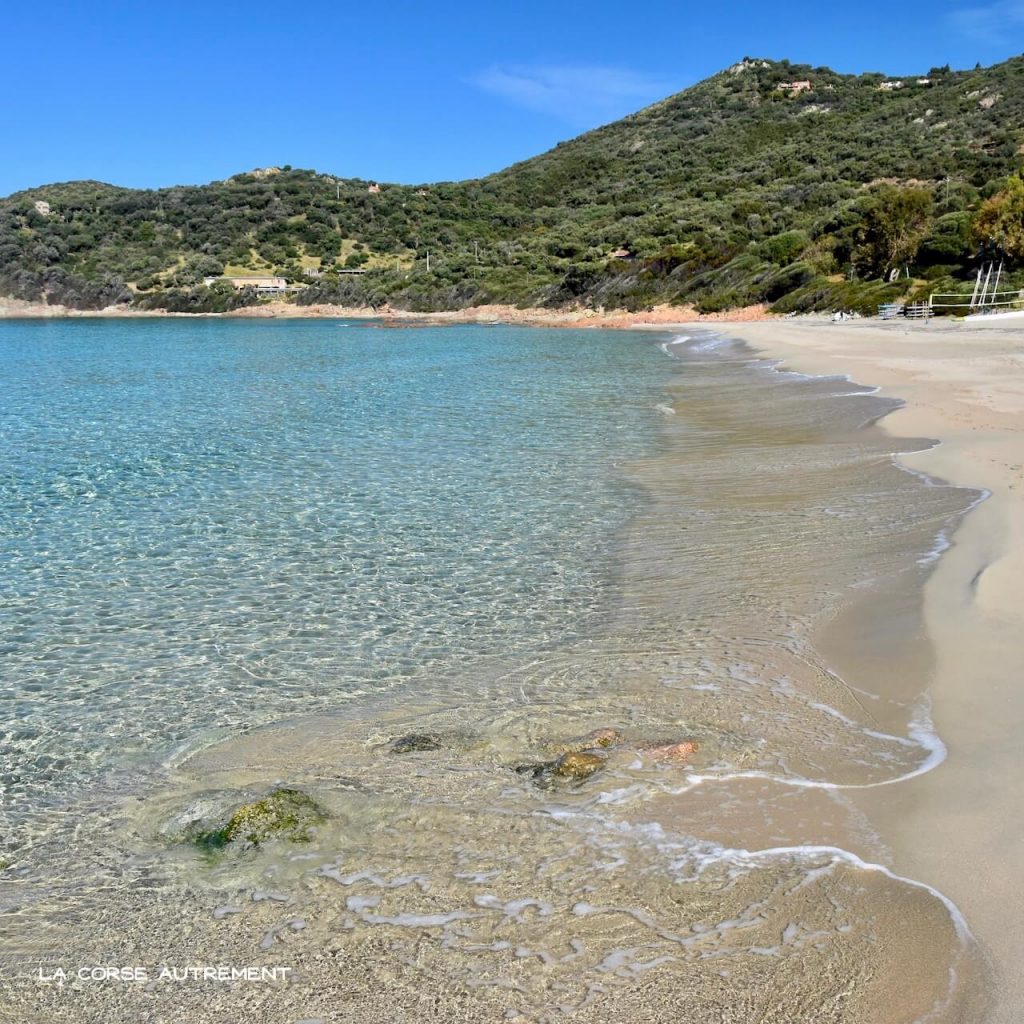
(208, 524)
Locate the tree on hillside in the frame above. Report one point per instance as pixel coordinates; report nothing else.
(1000, 221)
(896, 221)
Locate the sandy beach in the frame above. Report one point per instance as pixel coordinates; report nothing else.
(958, 827)
(14, 309)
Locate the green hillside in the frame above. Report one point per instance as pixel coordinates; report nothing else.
(735, 191)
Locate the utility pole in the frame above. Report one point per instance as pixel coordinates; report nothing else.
(428, 261)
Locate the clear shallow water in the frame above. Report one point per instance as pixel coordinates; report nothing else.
(654, 545)
(210, 524)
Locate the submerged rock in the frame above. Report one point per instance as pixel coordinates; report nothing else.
(204, 812)
(415, 741)
(679, 752)
(578, 765)
(536, 770)
(287, 814)
(596, 738)
(604, 737)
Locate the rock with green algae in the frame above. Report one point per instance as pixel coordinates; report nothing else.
(287, 814)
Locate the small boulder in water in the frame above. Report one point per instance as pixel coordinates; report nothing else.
(677, 752)
(578, 765)
(203, 813)
(283, 814)
(597, 738)
(415, 741)
(603, 737)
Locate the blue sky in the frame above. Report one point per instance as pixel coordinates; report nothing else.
(159, 94)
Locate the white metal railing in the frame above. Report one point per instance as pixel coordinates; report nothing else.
(985, 296)
(961, 300)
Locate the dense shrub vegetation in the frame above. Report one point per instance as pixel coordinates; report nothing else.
(733, 192)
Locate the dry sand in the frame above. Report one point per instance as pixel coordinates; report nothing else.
(959, 827)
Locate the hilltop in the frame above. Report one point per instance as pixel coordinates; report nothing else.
(768, 182)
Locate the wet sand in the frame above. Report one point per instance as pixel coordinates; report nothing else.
(958, 827)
